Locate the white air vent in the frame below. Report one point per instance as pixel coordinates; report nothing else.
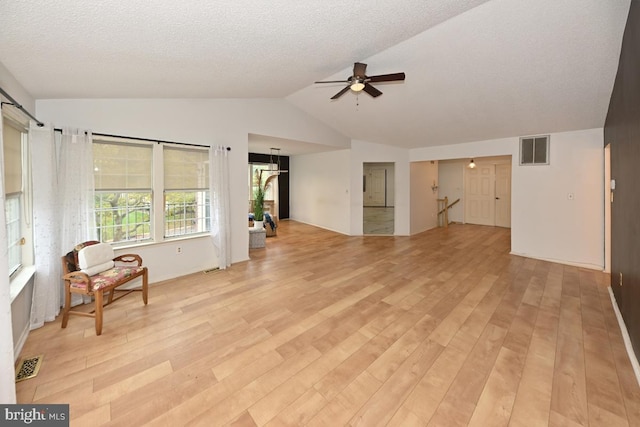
(534, 150)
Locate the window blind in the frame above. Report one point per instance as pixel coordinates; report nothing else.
(12, 142)
(122, 166)
(186, 169)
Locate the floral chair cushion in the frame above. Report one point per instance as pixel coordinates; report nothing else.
(107, 278)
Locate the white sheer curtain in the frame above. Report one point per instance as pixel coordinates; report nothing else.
(47, 288)
(76, 193)
(75, 178)
(62, 183)
(7, 372)
(220, 212)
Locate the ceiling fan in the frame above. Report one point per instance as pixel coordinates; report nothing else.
(359, 81)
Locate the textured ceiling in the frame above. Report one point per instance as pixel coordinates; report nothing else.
(475, 69)
(505, 68)
(201, 49)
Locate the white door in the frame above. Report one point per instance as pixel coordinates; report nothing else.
(503, 195)
(480, 195)
(375, 194)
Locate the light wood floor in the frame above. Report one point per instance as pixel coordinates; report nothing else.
(378, 220)
(443, 328)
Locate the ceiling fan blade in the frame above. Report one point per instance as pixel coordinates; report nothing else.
(386, 77)
(342, 92)
(359, 69)
(371, 90)
(359, 77)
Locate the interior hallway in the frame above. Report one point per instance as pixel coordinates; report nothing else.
(377, 220)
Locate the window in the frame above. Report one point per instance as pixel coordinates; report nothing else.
(123, 191)
(14, 237)
(13, 135)
(186, 191)
(259, 173)
(263, 174)
(534, 150)
(130, 174)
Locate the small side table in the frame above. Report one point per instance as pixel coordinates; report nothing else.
(257, 238)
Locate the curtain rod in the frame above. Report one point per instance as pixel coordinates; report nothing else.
(19, 107)
(135, 138)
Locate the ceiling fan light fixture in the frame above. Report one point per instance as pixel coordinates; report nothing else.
(357, 86)
(360, 82)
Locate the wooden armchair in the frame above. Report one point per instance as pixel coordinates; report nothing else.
(93, 269)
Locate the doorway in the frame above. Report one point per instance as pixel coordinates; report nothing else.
(378, 214)
(488, 194)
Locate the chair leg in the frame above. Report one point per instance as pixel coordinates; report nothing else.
(145, 287)
(67, 304)
(98, 311)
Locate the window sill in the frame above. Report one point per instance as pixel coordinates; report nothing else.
(130, 245)
(21, 280)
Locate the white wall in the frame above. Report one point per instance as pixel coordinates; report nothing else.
(8, 312)
(339, 174)
(10, 85)
(545, 223)
(319, 189)
(366, 152)
(451, 185)
(424, 201)
(164, 261)
(21, 313)
(199, 121)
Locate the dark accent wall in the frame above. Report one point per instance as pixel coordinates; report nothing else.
(283, 180)
(622, 131)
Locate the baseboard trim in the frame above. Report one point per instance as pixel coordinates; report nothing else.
(320, 226)
(17, 348)
(625, 336)
(561, 261)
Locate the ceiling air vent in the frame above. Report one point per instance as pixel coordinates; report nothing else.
(534, 150)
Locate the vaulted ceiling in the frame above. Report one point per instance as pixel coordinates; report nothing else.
(475, 69)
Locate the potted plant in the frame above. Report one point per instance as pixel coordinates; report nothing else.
(258, 207)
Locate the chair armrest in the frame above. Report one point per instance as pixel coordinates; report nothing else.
(128, 258)
(78, 277)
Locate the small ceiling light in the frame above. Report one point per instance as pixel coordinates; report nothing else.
(357, 85)
(472, 164)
